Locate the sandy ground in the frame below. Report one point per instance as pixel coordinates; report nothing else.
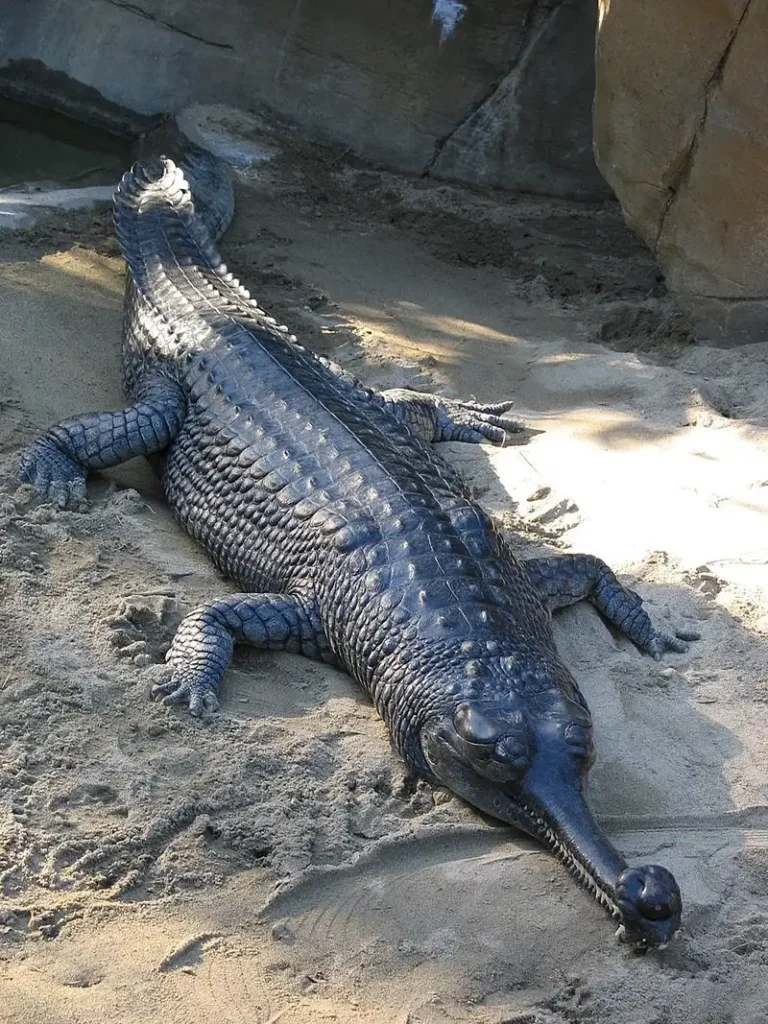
(279, 863)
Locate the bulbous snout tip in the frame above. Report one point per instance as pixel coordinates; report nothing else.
(651, 905)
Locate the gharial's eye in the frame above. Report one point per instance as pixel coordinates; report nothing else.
(513, 749)
(497, 748)
(474, 726)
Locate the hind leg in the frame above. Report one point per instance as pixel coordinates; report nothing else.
(434, 418)
(57, 463)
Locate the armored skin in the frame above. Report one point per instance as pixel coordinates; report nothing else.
(350, 539)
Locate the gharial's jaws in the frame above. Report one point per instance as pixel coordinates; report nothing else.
(499, 768)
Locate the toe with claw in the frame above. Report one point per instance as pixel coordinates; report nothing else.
(188, 684)
(476, 422)
(198, 694)
(660, 642)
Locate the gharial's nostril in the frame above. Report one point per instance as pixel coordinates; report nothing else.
(512, 750)
(656, 911)
(577, 735)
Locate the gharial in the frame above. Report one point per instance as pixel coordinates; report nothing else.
(352, 541)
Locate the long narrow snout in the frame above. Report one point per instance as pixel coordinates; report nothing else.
(546, 800)
(645, 900)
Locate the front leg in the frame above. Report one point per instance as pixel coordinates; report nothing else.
(565, 579)
(202, 648)
(57, 463)
(434, 418)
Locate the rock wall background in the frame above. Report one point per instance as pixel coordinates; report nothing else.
(493, 92)
(681, 135)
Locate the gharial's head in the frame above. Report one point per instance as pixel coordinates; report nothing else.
(525, 760)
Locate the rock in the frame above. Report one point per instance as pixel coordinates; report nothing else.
(497, 93)
(281, 932)
(539, 493)
(680, 135)
(21, 207)
(233, 135)
(534, 132)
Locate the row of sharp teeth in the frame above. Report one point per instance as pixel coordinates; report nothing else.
(576, 868)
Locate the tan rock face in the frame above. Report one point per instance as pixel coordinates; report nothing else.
(681, 135)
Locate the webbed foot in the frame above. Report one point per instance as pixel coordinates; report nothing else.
(435, 418)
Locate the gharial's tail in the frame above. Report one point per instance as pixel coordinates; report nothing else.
(207, 175)
(211, 184)
(154, 183)
(155, 220)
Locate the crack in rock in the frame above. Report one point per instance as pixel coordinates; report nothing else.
(689, 156)
(530, 35)
(141, 13)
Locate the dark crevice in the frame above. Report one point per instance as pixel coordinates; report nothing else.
(30, 82)
(141, 13)
(529, 36)
(689, 156)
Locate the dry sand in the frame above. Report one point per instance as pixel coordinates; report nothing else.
(279, 863)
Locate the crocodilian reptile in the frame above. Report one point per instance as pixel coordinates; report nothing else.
(350, 539)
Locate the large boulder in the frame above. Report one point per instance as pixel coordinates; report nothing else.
(681, 135)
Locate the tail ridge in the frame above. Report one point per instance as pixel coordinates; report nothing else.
(155, 183)
(153, 195)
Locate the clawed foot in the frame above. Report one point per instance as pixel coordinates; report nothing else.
(199, 698)
(475, 422)
(198, 657)
(660, 642)
(53, 474)
(188, 684)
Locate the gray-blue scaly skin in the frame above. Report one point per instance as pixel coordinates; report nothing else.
(353, 542)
